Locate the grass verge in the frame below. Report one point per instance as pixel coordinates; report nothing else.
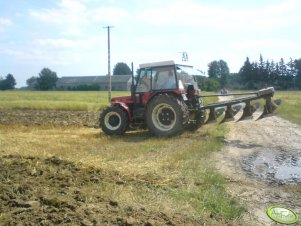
(290, 107)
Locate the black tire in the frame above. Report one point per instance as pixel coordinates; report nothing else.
(113, 120)
(166, 115)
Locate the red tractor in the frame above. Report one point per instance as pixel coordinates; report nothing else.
(166, 100)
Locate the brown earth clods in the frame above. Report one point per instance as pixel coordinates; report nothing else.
(57, 192)
(49, 117)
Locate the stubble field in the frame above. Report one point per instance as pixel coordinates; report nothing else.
(65, 171)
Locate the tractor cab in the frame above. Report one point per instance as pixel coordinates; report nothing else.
(164, 76)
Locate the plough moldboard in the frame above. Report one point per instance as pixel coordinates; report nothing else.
(231, 107)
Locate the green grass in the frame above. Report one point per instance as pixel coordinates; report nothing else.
(56, 100)
(203, 187)
(290, 107)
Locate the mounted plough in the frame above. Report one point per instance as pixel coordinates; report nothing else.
(233, 106)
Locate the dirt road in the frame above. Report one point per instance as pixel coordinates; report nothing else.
(262, 162)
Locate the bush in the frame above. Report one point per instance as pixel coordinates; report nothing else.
(212, 84)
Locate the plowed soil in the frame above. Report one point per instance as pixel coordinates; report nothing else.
(57, 192)
(261, 160)
(49, 117)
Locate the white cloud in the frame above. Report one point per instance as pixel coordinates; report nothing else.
(65, 12)
(4, 22)
(109, 14)
(63, 43)
(68, 15)
(267, 43)
(58, 52)
(199, 15)
(72, 5)
(73, 16)
(57, 43)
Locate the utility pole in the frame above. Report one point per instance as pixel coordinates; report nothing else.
(109, 63)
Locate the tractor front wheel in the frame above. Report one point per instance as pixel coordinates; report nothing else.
(166, 115)
(113, 121)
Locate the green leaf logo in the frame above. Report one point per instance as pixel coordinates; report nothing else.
(282, 215)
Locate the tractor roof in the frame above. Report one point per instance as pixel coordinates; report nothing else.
(160, 64)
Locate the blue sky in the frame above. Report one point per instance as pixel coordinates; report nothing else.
(67, 36)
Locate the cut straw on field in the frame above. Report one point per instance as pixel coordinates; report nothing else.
(166, 174)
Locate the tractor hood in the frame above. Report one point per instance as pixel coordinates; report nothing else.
(123, 99)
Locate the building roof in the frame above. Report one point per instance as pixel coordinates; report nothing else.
(75, 80)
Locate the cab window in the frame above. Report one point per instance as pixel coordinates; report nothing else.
(164, 78)
(185, 74)
(144, 83)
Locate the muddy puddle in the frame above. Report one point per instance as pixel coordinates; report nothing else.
(274, 165)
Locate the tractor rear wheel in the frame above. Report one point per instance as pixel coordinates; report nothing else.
(166, 115)
(113, 121)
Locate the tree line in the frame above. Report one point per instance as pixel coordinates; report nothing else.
(282, 75)
(253, 75)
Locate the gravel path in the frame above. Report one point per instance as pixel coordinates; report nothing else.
(262, 162)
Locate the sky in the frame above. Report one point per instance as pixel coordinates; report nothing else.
(68, 36)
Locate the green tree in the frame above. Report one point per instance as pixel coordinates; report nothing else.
(8, 83)
(246, 74)
(47, 79)
(282, 77)
(122, 69)
(219, 70)
(32, 82)
(213, 69)
(298, 73)
(212, 84)
(224, 73)
(291, 73)
(201, 81)
(262, 74)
